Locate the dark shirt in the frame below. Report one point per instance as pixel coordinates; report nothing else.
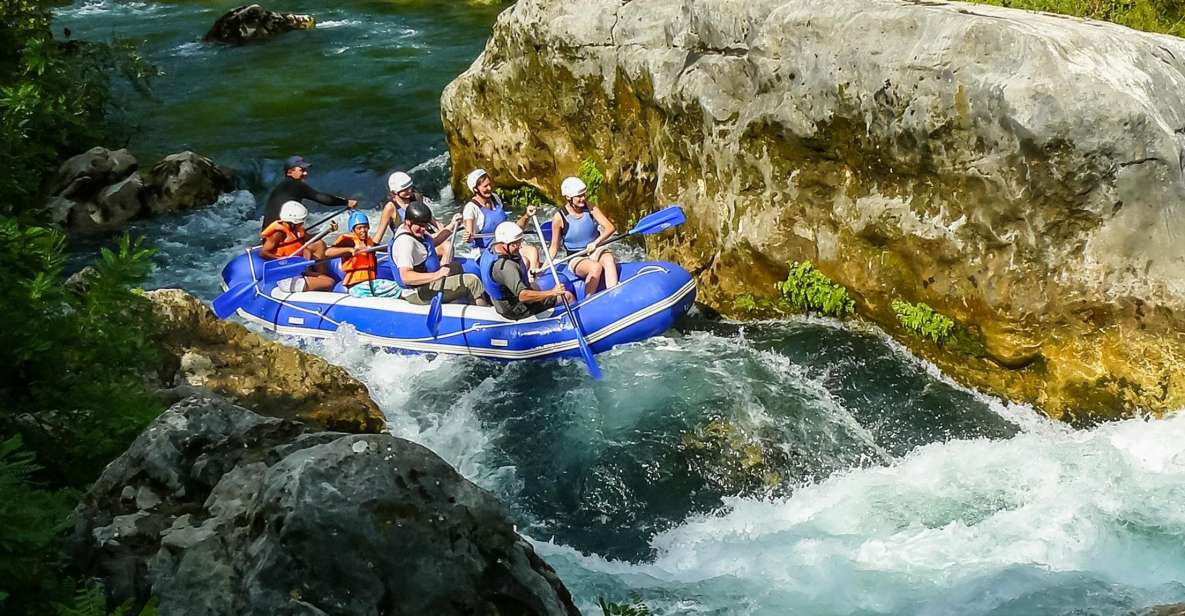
(294, 190)
(509, 275)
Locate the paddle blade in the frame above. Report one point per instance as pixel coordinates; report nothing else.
(661, 220)
(229, 302)
(435, 311)
(545, 231)
(284, 268)
(593, 369)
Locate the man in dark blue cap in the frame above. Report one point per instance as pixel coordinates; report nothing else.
(293, 188)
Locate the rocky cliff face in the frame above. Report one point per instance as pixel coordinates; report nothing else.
(272, 378)
(216, 510)
(1019, 172)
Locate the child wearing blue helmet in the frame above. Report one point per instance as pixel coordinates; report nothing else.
(361, 268)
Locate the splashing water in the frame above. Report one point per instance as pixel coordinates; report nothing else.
(794, 467)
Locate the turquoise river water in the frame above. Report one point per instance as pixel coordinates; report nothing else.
(791, 467)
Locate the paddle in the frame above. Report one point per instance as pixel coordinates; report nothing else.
(661, 220)
(585, 351)
(436, 308)
(287, 268)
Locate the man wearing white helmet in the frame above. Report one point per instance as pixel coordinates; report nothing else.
(504, 276)
(484, 212)
(581, 227)
(287, 236)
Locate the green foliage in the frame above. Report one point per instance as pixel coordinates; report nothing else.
(1164, 16)
(636, 608)
(922, 320)
(593, 178)
(806, 289)
(31, 518)
(518, 199)
(54, 98)
(75, 360)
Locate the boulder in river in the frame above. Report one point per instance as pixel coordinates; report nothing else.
(1021, 173)
(101, 190)
(217, 510)
(275, 379)
(252, 23)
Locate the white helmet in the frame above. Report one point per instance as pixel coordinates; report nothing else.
(474, 177)
(399, 181)
(507, 232)
(572, 187)
(294, 212)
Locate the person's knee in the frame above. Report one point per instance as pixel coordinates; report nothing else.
(596, 269)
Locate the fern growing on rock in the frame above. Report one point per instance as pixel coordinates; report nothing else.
(806, 289)
(924, 321)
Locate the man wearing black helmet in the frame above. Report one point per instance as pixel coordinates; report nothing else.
(294, 188)
(421, 272)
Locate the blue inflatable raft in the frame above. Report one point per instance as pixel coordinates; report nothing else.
(648, 300)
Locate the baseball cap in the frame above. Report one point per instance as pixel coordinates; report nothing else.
(296, 161)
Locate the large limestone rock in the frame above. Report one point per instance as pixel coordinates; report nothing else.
(101, 190)
(1019, 172)
(252, 23)
(265, 375)
(216, 510)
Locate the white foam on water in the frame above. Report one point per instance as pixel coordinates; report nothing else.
(89, 8)
(400, 385)
(330, 24)
(919, 535)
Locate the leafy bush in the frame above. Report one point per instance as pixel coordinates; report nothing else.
(54, 98)
(922, 320)
(30, 520)
(637, 608)
(518, 199)
(74, 360)
(593, 178)
(1165, 16)
(806, 289)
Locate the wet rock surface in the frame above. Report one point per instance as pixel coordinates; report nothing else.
(253, 23)
(101, 190)
(1016, 171)
(217, 510)
(272, 378)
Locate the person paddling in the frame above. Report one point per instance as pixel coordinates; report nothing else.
(422, 272)
(287, 236)
(402, 194)
(361, 268)
(294, 188)
(580, 227)
(484, 212)
(504, 276)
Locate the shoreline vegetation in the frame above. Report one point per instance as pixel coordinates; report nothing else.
(1158, 16)
(75, 351)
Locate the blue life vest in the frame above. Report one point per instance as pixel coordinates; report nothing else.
(579, 232)
(490, 219)
(486, 262)
(431, 264)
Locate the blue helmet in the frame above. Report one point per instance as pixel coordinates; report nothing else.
(358, 218)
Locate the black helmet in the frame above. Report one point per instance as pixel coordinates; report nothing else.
(418, 213)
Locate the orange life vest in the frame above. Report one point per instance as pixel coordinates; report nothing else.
(294, 236)
(360, 267)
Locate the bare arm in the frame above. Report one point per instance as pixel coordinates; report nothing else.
(385, 220)
(607, 228)
(557, 225)
(270, 243)
(413, 278)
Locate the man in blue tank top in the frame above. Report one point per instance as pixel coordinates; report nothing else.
(581, 227)
(504, 276)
